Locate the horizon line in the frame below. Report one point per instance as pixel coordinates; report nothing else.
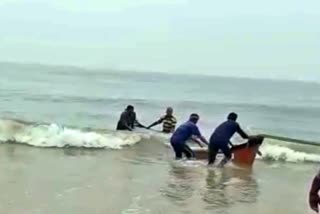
(113, 70)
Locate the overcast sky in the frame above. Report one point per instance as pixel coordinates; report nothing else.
(271, 38)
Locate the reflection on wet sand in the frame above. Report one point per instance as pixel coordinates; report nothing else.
(216, 189)
(228, 186)
(180, 187)
(9, 151)
(72, 151)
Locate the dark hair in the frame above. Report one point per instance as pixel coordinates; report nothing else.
(129, 107)
(232, 116)
(194, 117)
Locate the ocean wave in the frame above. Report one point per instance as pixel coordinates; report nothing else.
(54, 135)
(278, 153)
(272, 152)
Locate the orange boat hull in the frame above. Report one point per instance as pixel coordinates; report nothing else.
(243, 154)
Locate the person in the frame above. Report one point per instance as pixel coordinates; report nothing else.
(314, 199)
(184, 132)
(169, 122)
(220, 139)
(128, 120)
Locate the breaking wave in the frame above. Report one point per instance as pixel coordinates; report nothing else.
(53, 135)
(282, 153)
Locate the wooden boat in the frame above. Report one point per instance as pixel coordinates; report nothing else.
(243, 154)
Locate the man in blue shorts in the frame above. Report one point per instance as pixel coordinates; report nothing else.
(220, 139)
(185, 132)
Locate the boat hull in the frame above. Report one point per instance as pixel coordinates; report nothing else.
(243, 154)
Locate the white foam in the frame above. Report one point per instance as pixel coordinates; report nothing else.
(277, 153)
(54, 135)
(233, 181)
(281, 153)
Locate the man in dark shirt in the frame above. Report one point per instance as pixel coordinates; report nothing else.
(168, 120)
(188, 130)
(128, 120)
(220, 139)
(314, 199)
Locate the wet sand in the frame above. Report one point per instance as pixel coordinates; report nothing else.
(143, 179)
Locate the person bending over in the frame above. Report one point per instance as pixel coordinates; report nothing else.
(220, 139)
(183, 133)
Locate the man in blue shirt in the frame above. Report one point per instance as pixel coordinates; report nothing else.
(185, 132)
(220, 139)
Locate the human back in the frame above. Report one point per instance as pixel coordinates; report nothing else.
(169, 123)
(225, 131)
(220, 139)
(185, 131)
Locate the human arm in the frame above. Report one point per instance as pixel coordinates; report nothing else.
(242, 133)
(134, 121)
(204, 140)
(156, 123)
(198, 138)
(259, 153)
(138, 124)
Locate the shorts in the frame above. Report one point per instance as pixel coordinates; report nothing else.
(214, 148)
(182, 148)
